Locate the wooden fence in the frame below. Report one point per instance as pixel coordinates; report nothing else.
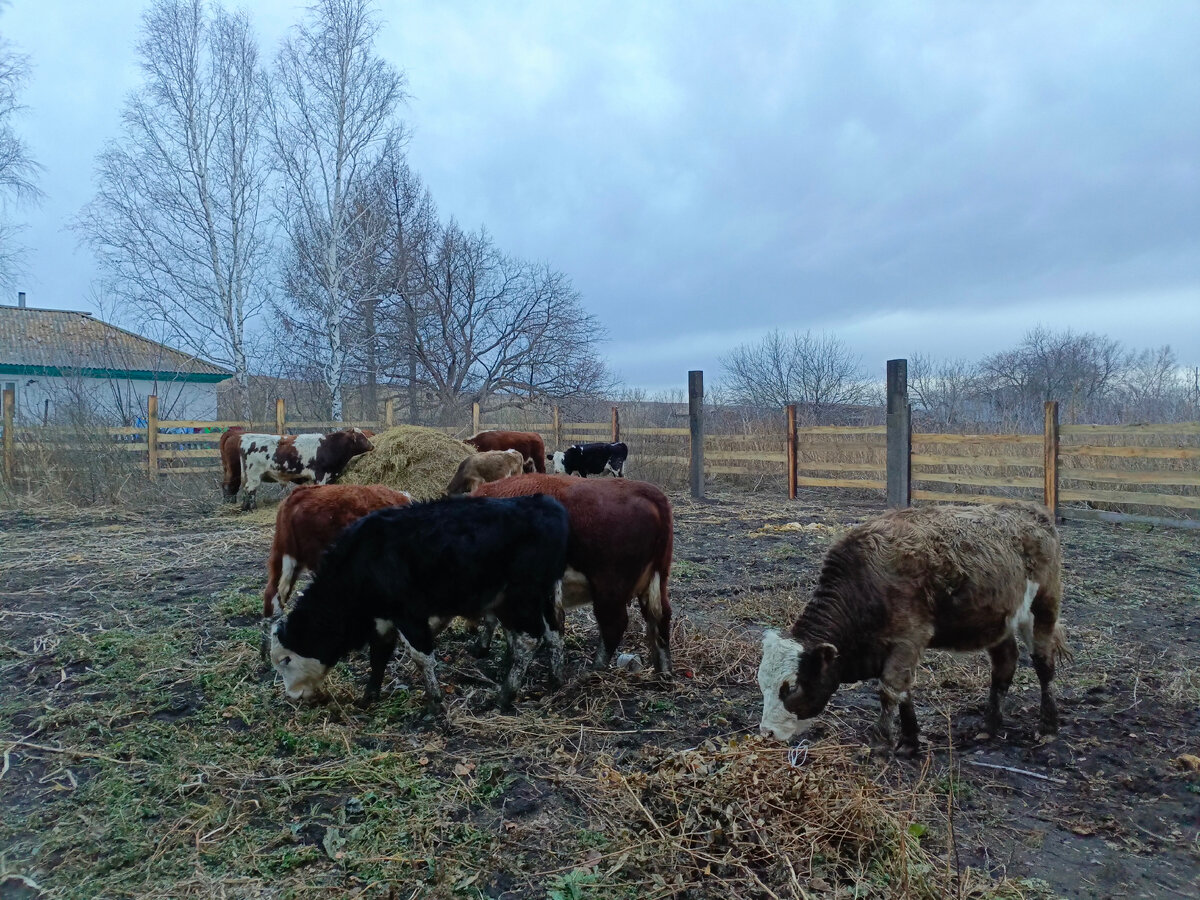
(1109, 472)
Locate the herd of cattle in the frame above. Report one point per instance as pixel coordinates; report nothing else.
(514, 545)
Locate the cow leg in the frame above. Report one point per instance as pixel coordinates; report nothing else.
(418, 644)
(383, 645)
(552, 637)
(521, 649)
(1045, 642)
(1004, 665)
(895, 687)
(656, 610)
(481, 647)
(250, 492)
(613, 618)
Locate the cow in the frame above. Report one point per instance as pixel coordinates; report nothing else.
(528, 442)
(622, 536)
(490, 465)
(308, 521)
(396, 569)
(594, 458)
(951, 577)
(249, 459)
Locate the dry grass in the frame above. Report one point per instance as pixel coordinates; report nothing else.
(409, 458)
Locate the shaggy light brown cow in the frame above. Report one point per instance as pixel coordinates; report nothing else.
(948, 577)
(490, 465)
(528, 442)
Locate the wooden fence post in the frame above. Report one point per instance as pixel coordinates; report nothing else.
(899, 436)
(616, 425)
(152, 436)
(10, 402)
(1050, 463)
(696, 423)
(557, 430)
(791, 450)
(389, 412)
(474, 418)
(280, 416)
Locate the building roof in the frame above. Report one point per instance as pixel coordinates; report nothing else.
(68, 342)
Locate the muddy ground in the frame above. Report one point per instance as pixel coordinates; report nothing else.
(147, 754)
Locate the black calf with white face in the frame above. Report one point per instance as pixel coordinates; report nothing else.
(397, 569)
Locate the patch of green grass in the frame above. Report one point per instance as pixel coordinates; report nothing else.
(685, 568)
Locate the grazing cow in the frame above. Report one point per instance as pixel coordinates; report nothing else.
(490, 465)
(620, 548)
(948, 577)
(396, 569)
(309, 520)
(594, 458)
(528, 442)
(249, 459)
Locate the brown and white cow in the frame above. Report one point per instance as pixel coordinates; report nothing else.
(490, 465)
(249, 459)
(620, 544)
(528, 442)
(309, 520)
(948, 577)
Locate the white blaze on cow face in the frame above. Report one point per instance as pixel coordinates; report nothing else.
(776, 677)
(302, 675)
(558, 466)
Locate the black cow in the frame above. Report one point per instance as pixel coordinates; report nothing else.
(398, 571)
(591, 459)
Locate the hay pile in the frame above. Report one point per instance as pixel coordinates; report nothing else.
(409, 458)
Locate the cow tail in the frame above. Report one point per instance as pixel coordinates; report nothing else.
(1062, 651)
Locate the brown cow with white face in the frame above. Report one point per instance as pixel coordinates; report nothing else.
(250, 459)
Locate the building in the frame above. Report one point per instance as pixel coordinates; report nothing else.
(68, 366)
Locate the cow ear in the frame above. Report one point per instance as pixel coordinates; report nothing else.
(825, 656)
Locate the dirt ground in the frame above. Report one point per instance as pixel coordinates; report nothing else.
(146, 753)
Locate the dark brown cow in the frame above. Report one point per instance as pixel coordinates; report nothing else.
(307, 523)
(528, 442)
(948, 577)
(250, 459)
(490, 465)
(621, 538)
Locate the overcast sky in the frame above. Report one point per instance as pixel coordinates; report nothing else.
(933, 177)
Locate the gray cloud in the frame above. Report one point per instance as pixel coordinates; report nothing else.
(944, 174)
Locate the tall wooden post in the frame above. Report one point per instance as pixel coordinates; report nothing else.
(791, 450)
(10, 466)
(557, 429)
(696, 423)
(389, 412)
(152, 436)
(1050, 462)
(474, 418)
(616, 425)
(899, 436)
(280, 417)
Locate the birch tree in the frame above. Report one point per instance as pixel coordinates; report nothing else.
(333, 105)
(178, 222)
(18, 170)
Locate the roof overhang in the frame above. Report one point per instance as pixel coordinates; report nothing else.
(121, 374)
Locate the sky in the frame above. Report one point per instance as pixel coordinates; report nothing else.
(934, 177)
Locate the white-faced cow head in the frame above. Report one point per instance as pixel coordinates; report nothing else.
(558, 465)
(302, 675)
(795, 683)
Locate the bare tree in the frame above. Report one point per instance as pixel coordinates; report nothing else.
(176, 222)
(18, 171)
(946, 391)
(492, 327)
(333, 107)
(816, 371)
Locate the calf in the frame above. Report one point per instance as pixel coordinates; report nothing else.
(948, 577)
(490, 465)
(394, 570)
(591, 459)
(250, 459)
(309, 520)
(528, 442)
(620, 548)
